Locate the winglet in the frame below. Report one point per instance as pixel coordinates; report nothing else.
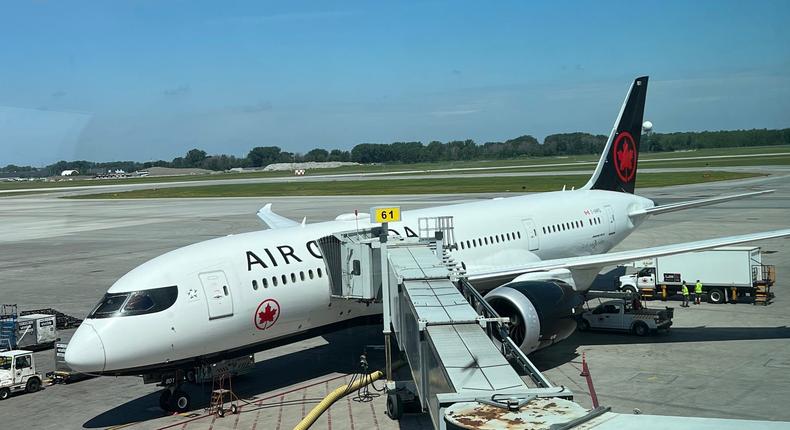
(273, 220)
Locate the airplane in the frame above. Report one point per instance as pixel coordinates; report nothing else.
(532, 256)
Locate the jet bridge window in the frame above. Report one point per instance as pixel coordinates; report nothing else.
(135, 303)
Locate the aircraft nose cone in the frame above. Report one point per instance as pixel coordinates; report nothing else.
(85, 352)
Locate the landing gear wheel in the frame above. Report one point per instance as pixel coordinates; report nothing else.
(33, 385)
(583, 325)
(180, 401)
(640, 329)
(234, 409)
(164, 400)
(4, 393)
(394, 406)
(220, 412)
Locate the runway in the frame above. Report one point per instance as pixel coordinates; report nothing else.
(66, 253)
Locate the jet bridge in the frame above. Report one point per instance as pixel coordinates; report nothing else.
(445, 330)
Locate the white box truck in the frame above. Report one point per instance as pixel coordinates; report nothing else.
(722, 271)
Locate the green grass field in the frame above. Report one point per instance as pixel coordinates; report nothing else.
(520, 164)
(412, 186)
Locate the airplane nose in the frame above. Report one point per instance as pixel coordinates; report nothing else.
(85, 351)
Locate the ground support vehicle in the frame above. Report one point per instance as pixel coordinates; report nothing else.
(626, 315)
(727, 274)
(18, 373)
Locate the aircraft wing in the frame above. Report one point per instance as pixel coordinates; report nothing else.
(273, 220)
(592, 264)
(693, 204)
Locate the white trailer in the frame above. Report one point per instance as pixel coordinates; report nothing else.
(722, 271)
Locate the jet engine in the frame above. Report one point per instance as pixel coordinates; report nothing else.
(540, 312)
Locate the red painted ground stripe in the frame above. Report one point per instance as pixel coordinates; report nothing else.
(328, 411)
(280, 412)
(184, 423)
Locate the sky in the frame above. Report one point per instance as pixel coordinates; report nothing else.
(146, 80)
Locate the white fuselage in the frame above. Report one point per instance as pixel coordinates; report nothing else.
(224, 284)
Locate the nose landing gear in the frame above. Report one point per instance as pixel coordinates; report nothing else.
(173, 399)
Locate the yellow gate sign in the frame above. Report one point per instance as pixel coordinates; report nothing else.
(385, 214)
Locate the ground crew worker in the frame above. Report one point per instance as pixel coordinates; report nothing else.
(698, 292)
(685, 292)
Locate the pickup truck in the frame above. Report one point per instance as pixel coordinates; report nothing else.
(622, 315)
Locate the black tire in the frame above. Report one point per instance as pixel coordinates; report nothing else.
(33, 385)
(641, 329)
(4, 393)
(234, 409)
(164, 400)
(583, 324)
(716, 296)
(220, 412)
(628, 289)
(394, 406)
(180, 401)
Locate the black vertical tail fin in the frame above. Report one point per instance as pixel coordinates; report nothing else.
(616, 170)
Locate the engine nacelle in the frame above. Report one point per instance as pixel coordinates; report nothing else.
(540, 312)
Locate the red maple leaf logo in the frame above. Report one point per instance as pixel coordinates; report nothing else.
(625, 156)
(267, 315)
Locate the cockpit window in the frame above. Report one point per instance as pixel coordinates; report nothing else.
(109, 305)
(135, 303)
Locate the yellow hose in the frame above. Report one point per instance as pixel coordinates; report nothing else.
(334, 396)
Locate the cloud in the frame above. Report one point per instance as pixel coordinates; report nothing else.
(178, 91)
(261, 106)
(456, 112)
(284, 17)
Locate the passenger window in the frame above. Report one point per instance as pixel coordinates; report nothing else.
(462, 245)
(319, 272)
(497, 238)
(519, 235)
(485, 240)
(255, 284)
(301, 275)
(265, 283)
(274, 281)
(284, 279)
(310, 273)
(468, 244)
(293, 277)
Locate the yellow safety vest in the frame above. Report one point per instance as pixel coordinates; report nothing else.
(698, 288)
(685, 290)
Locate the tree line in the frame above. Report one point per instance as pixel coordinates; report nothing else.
(415, 152)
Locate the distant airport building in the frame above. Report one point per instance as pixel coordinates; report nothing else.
(70, 173)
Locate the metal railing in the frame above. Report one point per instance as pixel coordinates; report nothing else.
(509, 348)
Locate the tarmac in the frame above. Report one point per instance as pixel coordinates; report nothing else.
(727, 361)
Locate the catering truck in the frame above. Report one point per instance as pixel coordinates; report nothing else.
(726, 273)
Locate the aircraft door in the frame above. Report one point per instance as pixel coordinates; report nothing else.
(610, 218)
(532, 234)
(217, 292)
